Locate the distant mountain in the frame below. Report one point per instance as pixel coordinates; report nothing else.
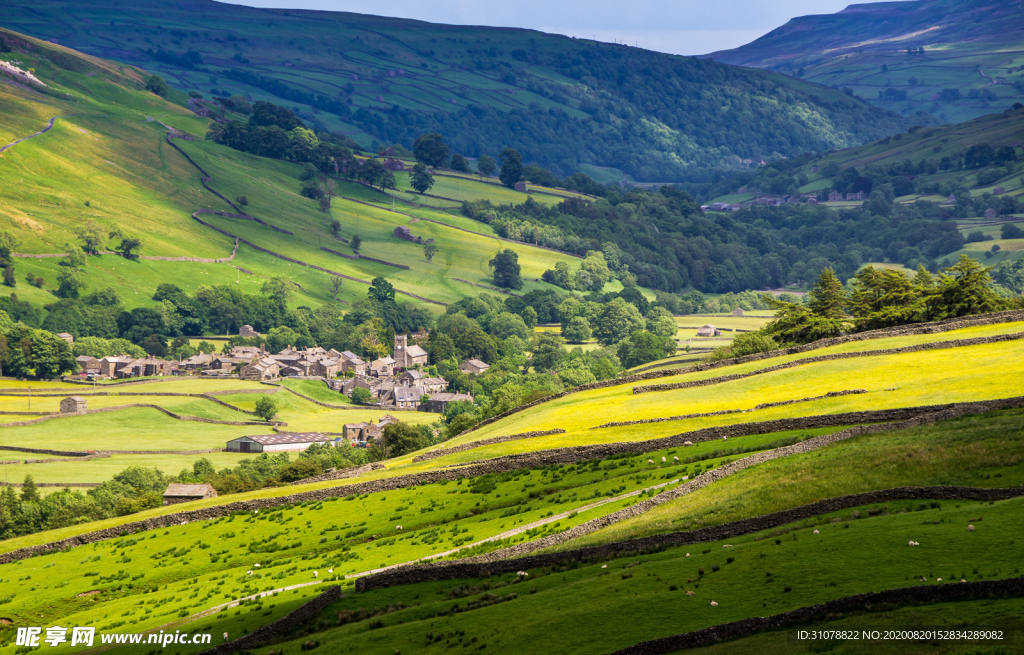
(563, 102)
(954, 59)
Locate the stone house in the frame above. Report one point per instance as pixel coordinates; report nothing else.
(183, 493)
(261, 369)
(352, 363)
(109, 365)
(835, 196)
(247, 331)
(383, 367)
(72, 405)
(145, 367)
(855, 196)
(433, 385)
(402, 397)
(197, 362)
(89, 365)
(473, 367)
(247, 352)
(439, 401)
(991, 213)
(66, 337)
(407, 356)
(708, 331)
(327, 368)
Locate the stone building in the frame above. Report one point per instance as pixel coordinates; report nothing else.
(183, 493)
(247, 331)
(439, 401)
(407, 356)
(72, 405)
(520, 186)
(473, 367)
(738, 312)
(261, 369)
(708, 331)
(280, 442)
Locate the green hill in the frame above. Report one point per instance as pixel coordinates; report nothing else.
(562, 102)
(107, 162)
(954, 60)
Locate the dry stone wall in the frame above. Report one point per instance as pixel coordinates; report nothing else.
(905, 330)
(474, 569)
(114, 408)
(510, 463)
(441, 452)
(279, 628)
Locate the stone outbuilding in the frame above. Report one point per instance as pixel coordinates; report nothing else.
(989, 213)
(72, 405)
(473, 367)
(708, 331)
(738, 312)
(66, 337)
(439, 401)
(261, 369)
(520, 186)
(184, 493)
(247, 331)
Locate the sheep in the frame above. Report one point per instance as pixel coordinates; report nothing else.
(691, 593)
(913, 543)
(714, 604)
(225, 636)
(330, 570)
(663, 460)
(924, 579)
(962, 580)
(650, 461)
(725, 438)
(184, 522)
(970, 528)
(248, 572)
(522, 574)
(604, 566)
(816, 532)
(315, 574)
(687, 443)
(675, 459)
(727, 546)
(398, 528)
(938, 579)
(256, 565)
(687, 554)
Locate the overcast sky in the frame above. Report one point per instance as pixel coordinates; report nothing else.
(685, 27)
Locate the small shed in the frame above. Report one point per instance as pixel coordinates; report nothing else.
(72, 405)
(183, 493)
(738, 312)
(520, 186)
(247, 331)
(708, 331)
(66, 337)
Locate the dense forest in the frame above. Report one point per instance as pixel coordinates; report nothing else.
(669, 244)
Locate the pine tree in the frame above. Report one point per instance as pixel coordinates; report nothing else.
(29, 492)
(827, 297)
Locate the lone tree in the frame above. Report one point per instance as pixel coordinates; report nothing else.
(459, 164)
(335, 285)
(430, 150)
(506, 269)
(429, 251)
(355, 242)
(486, 165)
(92, 237)
(421, 178)
(129, 246)
(266, 409)
(335, 227)
(157, 85)
(511, 167)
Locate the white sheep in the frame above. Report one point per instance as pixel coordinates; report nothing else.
(184, 522)
(687, 443)
(257, 565)
(663, 460)
(970, 528)
(714, 604)
(725, 438)
(225, 636)
(315, 574)
(398, 527)
(962, 580)
(938, 579)
(691, 593)
(816, 532)
(727, 546)
(248, 572)
(604, 566)
(687, 554)
(650, 461)
(675, 459)
(924, 579)
(913, 543)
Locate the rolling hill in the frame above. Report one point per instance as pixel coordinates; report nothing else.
(954, 60)
(563, 102)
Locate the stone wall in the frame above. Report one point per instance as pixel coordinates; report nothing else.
(468, 569)
(342, 474)
(939, 345)
(279, 628)
(114, 408)
(441, 452)
(510, 463)
(369, 259)
(866, 602)
(830, 394)
(905, 330)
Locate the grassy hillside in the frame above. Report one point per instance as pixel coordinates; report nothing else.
(106, 161)
(563, 102)
(971, 49)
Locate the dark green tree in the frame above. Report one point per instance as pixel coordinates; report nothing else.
(430, 250)
(459, 164)
(266, 408)
(430, 150)
(827, 298)
(381, 290)
(157, 85)
(486, 165)
(421, 179)
(547, 352)
(29, 491)
(506, 269)
(511, 167)
(402, 438)
(355, 242)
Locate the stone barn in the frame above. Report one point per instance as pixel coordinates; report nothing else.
(183, 493)
(72, 405)
(275, 443)
(738, 312)
(708, 331)
(991, 213)
(247, 331)
(521, 186)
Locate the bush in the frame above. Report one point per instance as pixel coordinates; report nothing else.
(750, 343)
(265, 409)
(361, 396)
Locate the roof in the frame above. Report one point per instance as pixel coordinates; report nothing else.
(416, 375)
(415, 351)
(85, 358)
(63, 334)
(405, 394)
(348, 354)
(386, 360)
(77, 399)
(194, 490)
(288, 437)
(477, 363)
(449, 397)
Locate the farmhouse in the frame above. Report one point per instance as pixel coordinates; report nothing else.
(89, 365)
(109, 365)
(262, 369)
(473, 367)
(835, 196)
(351, 363)
(439, 401)
(855, 196)
(72, 405)
(708, 331)
(402, 397)
(274, 443)
(383, 367)
(991, 213)
(183, 493)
